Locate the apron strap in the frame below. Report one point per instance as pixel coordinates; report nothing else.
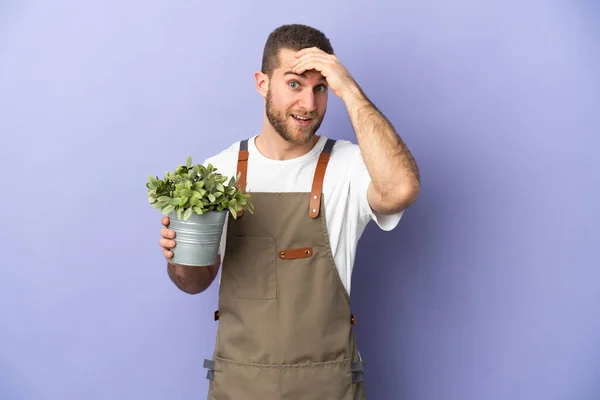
(242, 168)
(317, 186)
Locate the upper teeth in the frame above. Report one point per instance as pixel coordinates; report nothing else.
(302, 118)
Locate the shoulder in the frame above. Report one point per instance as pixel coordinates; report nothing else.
(346, 168)
(225, 161)
(344, 148)
(224, 155)
(346, 154)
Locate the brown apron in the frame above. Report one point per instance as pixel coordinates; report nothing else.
(285, 327)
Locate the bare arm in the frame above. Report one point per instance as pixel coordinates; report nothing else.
(395, 176)
(191, 279)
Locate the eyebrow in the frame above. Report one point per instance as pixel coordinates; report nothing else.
(302, 75)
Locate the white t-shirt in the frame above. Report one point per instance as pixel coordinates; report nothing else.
(344, 192)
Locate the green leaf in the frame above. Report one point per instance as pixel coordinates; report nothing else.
(179, 213)
(197, 188)
(154, 182)
(162, 203)
(183, 200)
(168, 209)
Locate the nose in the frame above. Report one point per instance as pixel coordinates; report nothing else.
(308, 101)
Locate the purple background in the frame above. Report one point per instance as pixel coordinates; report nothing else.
(488, 289)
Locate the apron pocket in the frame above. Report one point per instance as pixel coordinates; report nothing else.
(251, 267)
(318, 381)
(241, 381)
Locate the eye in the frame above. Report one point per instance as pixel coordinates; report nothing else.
(321, 88)
(293, 84)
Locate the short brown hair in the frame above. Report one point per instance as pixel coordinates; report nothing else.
(293, 37)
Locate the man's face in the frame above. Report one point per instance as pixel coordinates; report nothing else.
(296, 104)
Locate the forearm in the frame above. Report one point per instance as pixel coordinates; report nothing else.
(392, 168)
(191, 279)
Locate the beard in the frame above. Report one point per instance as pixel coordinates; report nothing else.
(282, 124)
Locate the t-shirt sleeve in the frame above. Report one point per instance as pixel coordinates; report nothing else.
(360, 180)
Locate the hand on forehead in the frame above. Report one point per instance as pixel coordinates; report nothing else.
(288, 57)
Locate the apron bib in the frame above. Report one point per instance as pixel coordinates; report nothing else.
(285, 326)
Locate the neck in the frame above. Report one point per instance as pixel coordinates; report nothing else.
(273, 146)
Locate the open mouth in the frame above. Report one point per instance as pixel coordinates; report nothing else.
(300, 120)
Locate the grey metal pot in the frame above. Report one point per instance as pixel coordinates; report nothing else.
(197, 239)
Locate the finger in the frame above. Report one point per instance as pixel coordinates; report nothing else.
(167, 233)
(310, 57)
(309, 50)
(167, 253)
(313, 57)
(308, 65)
(166, 243)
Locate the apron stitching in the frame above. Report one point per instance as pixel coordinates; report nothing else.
(291, 366)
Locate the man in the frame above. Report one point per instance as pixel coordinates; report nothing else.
(285, 326)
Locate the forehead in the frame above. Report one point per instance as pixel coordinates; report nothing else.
(286, 56)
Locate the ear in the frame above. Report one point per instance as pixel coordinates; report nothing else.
(262, 83)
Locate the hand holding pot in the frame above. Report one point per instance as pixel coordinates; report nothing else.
(167, 241)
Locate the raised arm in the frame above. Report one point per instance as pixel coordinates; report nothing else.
(395, 177)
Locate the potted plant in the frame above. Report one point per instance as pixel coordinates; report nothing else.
(197, 201)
